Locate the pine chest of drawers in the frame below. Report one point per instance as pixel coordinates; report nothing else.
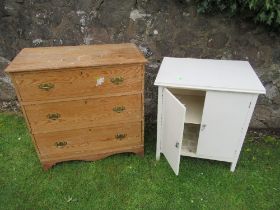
(81, 102)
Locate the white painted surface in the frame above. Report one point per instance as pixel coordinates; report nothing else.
(223, 119)
(231, 87)
(100, 81)
(195, 155)
(207, 74)
(172, 129)
(159, 123)
(194, 106)
(243, 132)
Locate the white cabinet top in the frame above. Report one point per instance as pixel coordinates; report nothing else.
(208, 74)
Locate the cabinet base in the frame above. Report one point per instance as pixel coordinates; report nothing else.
(47, 164)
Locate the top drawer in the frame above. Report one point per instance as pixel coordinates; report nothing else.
(59, 84)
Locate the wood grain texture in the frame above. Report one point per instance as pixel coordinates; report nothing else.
(143, 102)
(79, 82)
(92, 139)
(83, 113)
(48, 163)
(77, 99)
(46, 58)
(81, 98)
(25, 115)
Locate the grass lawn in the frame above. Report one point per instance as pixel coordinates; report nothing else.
(126, 181)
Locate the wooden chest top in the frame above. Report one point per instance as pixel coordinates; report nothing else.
(45, 58)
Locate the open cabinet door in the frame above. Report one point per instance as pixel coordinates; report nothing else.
(172, 129)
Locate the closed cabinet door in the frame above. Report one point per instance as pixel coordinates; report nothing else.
(224, 115)
(173, 114)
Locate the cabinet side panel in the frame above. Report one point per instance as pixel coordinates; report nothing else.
(223, 118)
(243, 132)
(159, 122)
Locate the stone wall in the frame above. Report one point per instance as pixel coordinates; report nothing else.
(158, 27)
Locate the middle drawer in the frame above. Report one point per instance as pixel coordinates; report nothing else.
(66, 115)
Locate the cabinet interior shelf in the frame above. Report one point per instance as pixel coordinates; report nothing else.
(190, 139)
(194, 105)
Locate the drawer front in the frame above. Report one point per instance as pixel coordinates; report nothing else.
(93, 139)
(59, 84)
(68, 115)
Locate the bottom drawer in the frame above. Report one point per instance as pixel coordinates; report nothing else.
(95, 139)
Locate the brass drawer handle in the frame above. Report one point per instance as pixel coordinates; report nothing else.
(60, 144)
(119, 109)
(117, 80)
(46, 86)
(53, 116)
(120, 136)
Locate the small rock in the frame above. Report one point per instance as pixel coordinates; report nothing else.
(146, 51)
(186, 14)
(83, 20)
(37, 42)
(136, 14)
(80, 12)
(88, 39)
(57, 42)
(153, 65)
(10, 106)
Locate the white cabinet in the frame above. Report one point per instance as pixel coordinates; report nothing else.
(204, 108)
